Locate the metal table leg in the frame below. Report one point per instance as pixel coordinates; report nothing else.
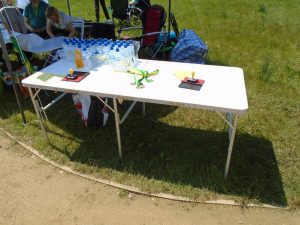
(37, 111)
(232, 136)
(229, 119)
(117, 121)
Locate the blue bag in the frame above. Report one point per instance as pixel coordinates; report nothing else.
(189, 48)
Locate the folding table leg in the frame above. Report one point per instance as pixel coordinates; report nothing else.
(232, 136)
(229, 118)
(117, 121)
(37, 111)
(42, 112)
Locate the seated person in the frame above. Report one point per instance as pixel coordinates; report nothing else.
(21, 4)
(58, 23)
(34, 17)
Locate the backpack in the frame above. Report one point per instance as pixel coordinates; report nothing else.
(153, 20)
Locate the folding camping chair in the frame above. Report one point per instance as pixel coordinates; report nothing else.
(122, 11)
(153, 21)
(154, 34)
(3, 3)
(78, 24)
(13, 20)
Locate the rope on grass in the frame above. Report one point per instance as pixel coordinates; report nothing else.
(131, 189)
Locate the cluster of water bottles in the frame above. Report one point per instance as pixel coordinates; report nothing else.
(120, 54)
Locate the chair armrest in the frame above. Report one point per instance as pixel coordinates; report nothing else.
(154, 33)
(129, 28)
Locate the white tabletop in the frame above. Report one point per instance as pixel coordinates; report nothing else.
(224, 88)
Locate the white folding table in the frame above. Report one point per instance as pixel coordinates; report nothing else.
(223, 91)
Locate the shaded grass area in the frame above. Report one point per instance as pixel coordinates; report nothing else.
(183, 151)
(161, 154)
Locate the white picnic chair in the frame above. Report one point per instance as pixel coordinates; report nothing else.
(78, 23)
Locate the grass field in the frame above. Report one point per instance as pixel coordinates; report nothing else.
(262, 37)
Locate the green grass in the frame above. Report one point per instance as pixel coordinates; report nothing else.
(183, 151)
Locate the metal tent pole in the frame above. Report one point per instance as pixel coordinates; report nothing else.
(9, 68)
(69, 8)
(169, 20)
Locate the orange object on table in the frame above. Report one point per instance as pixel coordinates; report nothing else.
(78, 59)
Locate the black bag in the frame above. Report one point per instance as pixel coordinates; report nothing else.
(95, 115)
(100, 30)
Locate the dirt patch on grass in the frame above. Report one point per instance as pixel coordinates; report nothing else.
(33, 192)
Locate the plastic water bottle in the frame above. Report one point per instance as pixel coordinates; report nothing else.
(65, 46)
(127, 57)
(123, 62)
(86, 58)
(130, 54)
(111, 57)
(105, 56)
(70, 51)
(117, 60)
(120, 61)
(94, 54)
(131, 49)
(99, 47)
